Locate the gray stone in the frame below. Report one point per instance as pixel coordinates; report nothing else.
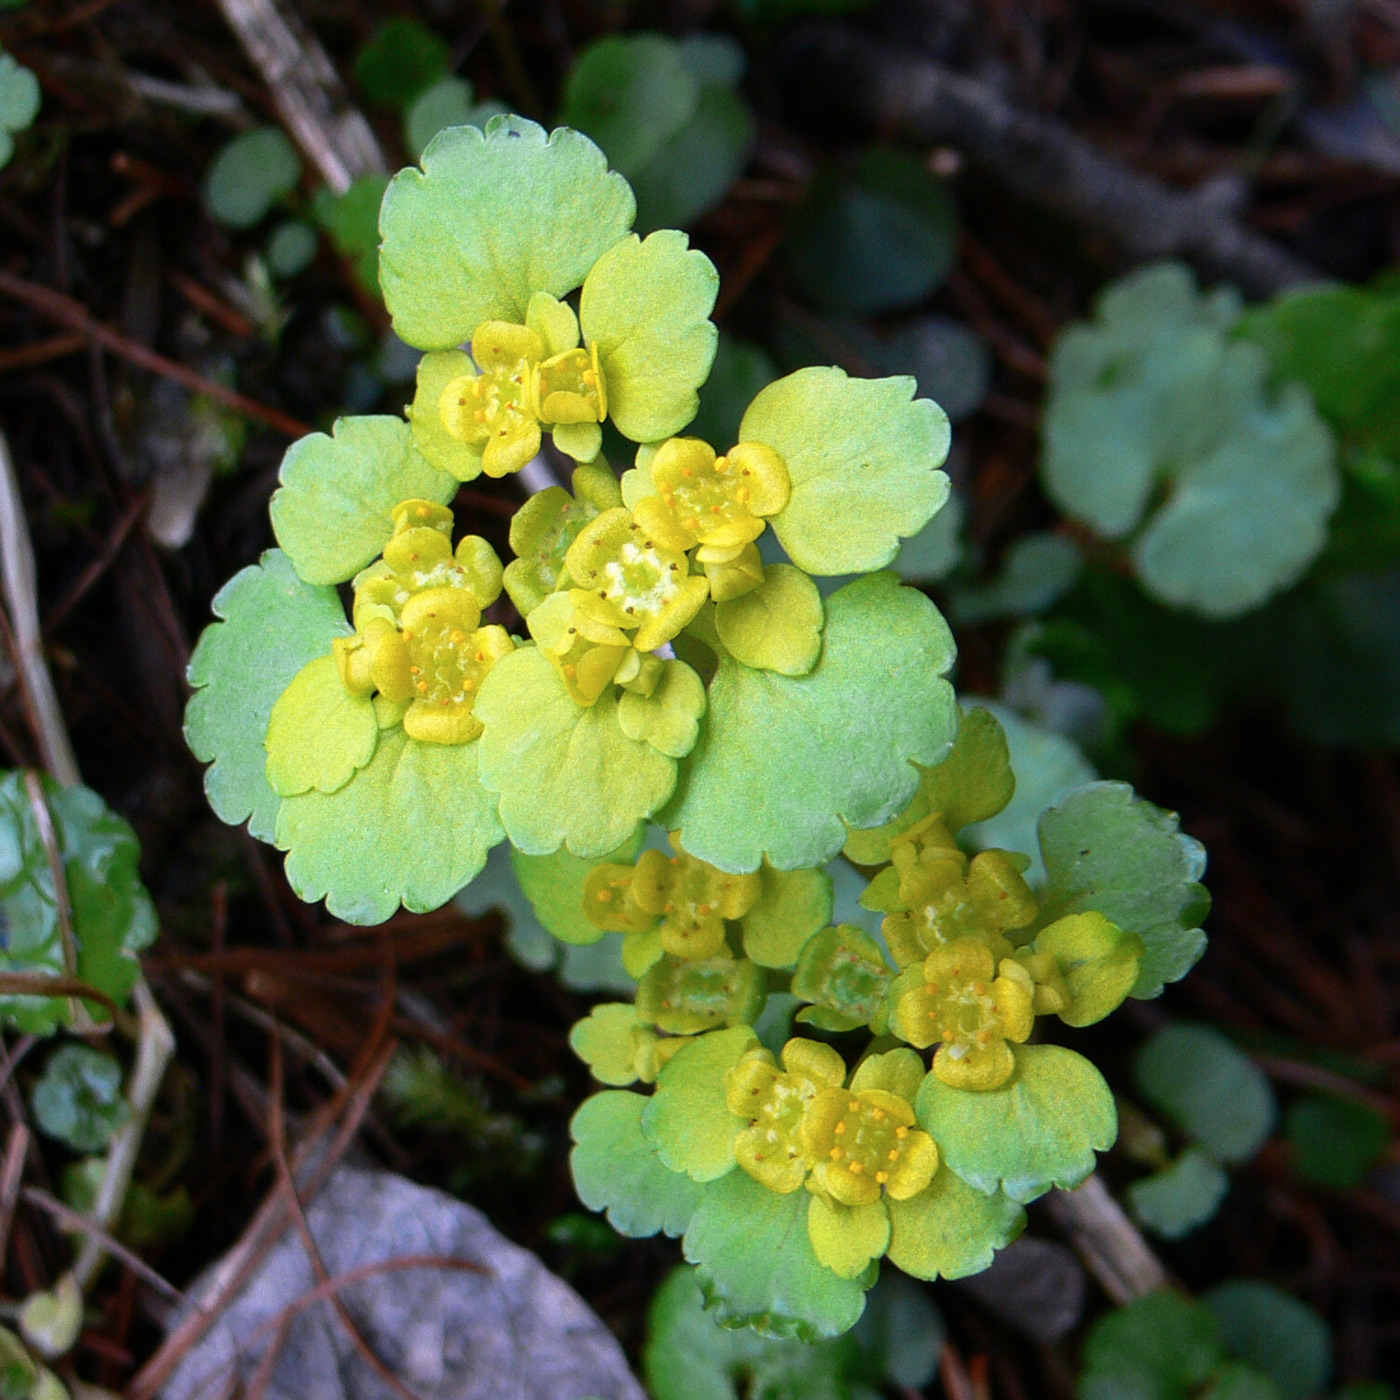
(511, 1332)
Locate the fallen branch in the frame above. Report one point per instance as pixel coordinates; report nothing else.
(1036, 157)
(1111, 1246)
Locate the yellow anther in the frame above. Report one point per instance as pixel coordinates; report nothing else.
(882, 1177)
(879, 1115)
(571, 671)
(893, 1153)
(422, 685)
(980, 988)
(857, 1168)
(414, 670)
(901, 1132)
(605, 897)
(459, 637)
(836, 1154)
(840, 1128)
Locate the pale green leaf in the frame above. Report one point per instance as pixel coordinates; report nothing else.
(605, 1040)
(333, 512)
(411, 828)
(846, 1239)
(248, 176)
(78, 1099)
(1107, 850)
(448, 102)
(319, 734)
(669, 718)
(1161, 1347)
(112, 915)
(274, 624)
(951, 1230)
(554, 886)
(862, 456)
(646, 308)
(784, 763)
(1213, 1091)
(1179, 1198)
(1273, 1331)
(436, 370)
(1036, 572)
(792, 906)
(491, 219)
(777, 626)
(1040, 1129)
(687, 1118)
(566, 775)
(757, 1267)
(616, 1169)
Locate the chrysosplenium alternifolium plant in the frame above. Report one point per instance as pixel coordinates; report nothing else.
(670, 670)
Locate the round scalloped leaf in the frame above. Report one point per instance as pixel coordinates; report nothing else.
(274, 624)
(411, 828)
(669, 718)
(757, 1268)
(950, 1230)
(333, 512)
(491, 219)
(1275, 1332)
(616, 1169)
(792, 906)
(1040, 1129)
(319, 735)
(646, 309)
(688, 1117)
(1179, 1198)
(112, 915)
(554, 886)
(777, 626)
(1246, 521)
(1163, 1346)
(1110, 851)
(784, 763)
(566, 775)
(862, 456)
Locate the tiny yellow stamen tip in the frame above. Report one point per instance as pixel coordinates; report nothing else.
(422, 685)
(836, 1154)
(984, 1037)
(571, 671)
(980, 988)
(604, 896)
(414, 670)
(948, 1037)
(481, 656)
(840, 1128)
(879, 1115)
(480, 415)
(857, 1168)
(901, 1132)
(894, 1153)
(882, 1177)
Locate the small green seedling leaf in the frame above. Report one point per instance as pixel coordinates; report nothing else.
(78, 1099)
(1161, 1347)
(1038, 570)
(448, 102)
(250, 175)
(274, 625)
(291, 248)
(333, 512)
(617, 1169)
(352, 221)
(1275, 1333)
(19, 103)
(1179, 1198)
(402, 59)
(1335, 1141)
(781, 763)
(1212, 1091)
(1107, 850)
(112, 915)
(1040, 1129)
(491, 219)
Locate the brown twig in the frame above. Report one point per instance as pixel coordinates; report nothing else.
(40, 352)
(1111, 1246)
(11, 1177)
(68, 312)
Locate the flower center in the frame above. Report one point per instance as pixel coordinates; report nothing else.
(868, 1140)
(445, 668)
(638, 579)
(963, 1013)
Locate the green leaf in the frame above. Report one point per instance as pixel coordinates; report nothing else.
(113, 918)
(937, 549)
(631, 93)
(792, 906)
(319, 735)
(951, 1230)
(669, 718)
(78, 1099)
(274, 624)
(1236, 1381)
(1212, 1091)
(756, 1265)
(566, 775)
(777, 626)
(1161, 1347)
(1179, 1198)
(617, 1169)
(645, 307)
(974, 782)
(880, 241)
(862, 456)
(411, 828)
(1038, 570)
(491, 219)
(606, 1041)
(352, 221)
(291, 248)
(19, 102)
(783, 763)
(554, 886)
(1273, 1331)
(249, 175)
(333, 512)
(688, 1118)
(402, 59)
(1047, 767)
(1107, 850)
(1040, 1129)
(901, 1333)
(1335, 1141)
(448, 102)
(952, 363)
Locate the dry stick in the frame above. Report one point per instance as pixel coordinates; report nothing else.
(19, 579)
(1038, 158)
(11, 1174)
(1111, 1246)
(68, 312)
(306, 91)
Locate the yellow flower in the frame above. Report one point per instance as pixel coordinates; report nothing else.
(772, 1148)
(864, 1143)
(971, 1007)
(630, 581)
(493, 410)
